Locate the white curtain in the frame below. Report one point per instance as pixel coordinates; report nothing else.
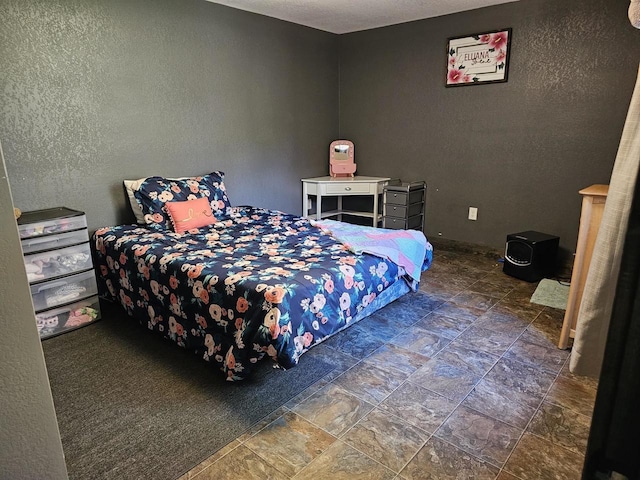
(600, 287)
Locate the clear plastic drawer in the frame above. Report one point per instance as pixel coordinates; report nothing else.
(48, 242)
(50, 221)
(60, 320)
(64, 290)
(55, 263)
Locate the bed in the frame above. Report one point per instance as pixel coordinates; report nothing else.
(246, 282)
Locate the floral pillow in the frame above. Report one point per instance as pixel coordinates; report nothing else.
(155, 192)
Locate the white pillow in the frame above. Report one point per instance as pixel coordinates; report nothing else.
(131, 186)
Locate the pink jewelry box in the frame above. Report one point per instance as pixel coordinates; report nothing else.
(341, 159)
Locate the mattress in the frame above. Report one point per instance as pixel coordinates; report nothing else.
(260, 283)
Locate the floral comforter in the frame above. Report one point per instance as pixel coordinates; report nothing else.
(259, 283)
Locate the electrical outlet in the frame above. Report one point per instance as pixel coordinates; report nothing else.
(473, 213)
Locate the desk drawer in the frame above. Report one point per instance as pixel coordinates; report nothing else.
(347, 188)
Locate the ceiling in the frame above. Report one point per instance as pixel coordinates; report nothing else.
(344, 16)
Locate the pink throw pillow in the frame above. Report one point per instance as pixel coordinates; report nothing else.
(190, 214)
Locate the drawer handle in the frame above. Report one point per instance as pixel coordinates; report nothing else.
(60, 283)
(42, 240)
(348, 189)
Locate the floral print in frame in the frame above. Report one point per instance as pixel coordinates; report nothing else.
(478, 59)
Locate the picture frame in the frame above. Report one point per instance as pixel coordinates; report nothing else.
(478, 59)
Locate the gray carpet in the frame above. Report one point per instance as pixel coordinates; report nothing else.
(132, 405)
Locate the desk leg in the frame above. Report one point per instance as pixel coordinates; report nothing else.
(340, 208)
(319, 207)
(305, 200)
(375, 210)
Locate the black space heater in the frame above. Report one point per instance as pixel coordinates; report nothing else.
(530, 256)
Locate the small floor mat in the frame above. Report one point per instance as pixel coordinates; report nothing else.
(551, 293)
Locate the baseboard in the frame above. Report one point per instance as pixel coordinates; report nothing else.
(440, 245)
(446, 245)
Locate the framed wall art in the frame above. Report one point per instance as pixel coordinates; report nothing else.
(478, 59)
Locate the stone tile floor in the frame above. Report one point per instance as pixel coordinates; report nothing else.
(462, 379)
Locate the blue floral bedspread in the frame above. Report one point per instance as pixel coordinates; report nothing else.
(259, 283)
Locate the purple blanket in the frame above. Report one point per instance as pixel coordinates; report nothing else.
(409, 249)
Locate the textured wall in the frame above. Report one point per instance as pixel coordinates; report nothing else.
(519, 151)
(30, 444)
(94, 92)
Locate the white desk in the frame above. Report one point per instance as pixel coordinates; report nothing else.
(340, 187)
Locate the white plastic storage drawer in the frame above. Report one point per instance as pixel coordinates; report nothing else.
(47, 242)
(56, 263)
(50, 221)
(59, 320)
(64, 290)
